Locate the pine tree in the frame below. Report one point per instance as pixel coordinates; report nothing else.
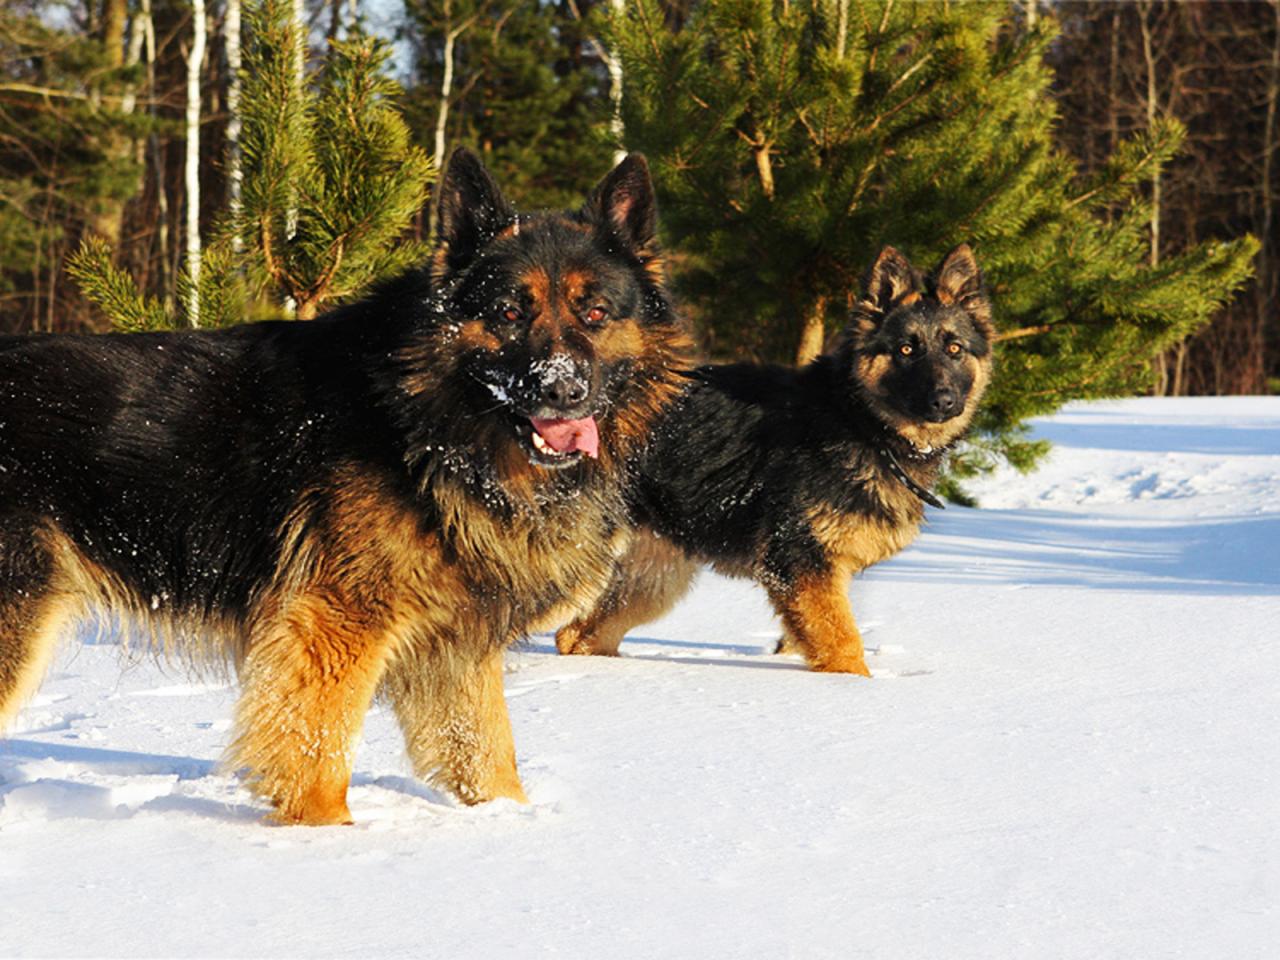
(543, 106)
(528, 91)
(330, 184)
(331, 179)
(61, 169)
(791, 141)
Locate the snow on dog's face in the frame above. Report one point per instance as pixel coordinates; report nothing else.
(921, 345)
(554, 330)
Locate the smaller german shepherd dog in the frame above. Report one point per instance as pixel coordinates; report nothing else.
(381, 499)
(801, 478)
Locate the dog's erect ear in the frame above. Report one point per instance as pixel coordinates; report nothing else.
(890, 279)
(624, 203)
(958, 276)
(959, 281)
(472, 211)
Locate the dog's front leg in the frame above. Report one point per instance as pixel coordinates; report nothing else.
(449, 700)
(309, 677)
(816, 618)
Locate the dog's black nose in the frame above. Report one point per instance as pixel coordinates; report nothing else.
(943, 403)
(564, 392)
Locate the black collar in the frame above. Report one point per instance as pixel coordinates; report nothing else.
(883, 438)
(891, 463)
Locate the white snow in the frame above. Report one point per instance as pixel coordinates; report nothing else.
(1071, 749)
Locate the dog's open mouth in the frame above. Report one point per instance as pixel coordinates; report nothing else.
(558, 442)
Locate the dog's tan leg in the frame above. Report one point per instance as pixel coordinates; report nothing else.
(30, 628)
(309, 676)
(35, 610)
(456, 728)
(649, 580)
(816, 615)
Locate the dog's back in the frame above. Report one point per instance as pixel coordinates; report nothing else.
(750, 449)
(165, 457)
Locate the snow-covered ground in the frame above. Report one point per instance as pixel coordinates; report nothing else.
(1071, 749)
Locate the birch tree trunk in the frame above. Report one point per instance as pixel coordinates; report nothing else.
(137, 37)
(613, 66)
(442, 119)
(301, 40)
(613, 63)
(1144, 10)
(452, 32)
(235, 166)
(192, 167)
(1166, 384)
(446, 90)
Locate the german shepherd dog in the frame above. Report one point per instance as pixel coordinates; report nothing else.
(801, 478)
(379, 500)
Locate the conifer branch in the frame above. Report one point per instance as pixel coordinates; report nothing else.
(113, 290)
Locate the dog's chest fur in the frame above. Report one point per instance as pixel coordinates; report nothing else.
(548, 559)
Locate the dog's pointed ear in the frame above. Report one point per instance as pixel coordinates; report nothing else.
(958, 276)
(958, 280)
(624, 203)
(890, 279)
(471, 212)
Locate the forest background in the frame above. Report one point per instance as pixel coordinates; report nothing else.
(1114, 164)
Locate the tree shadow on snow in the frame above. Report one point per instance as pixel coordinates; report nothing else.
(1222, 556)
(1259, 439)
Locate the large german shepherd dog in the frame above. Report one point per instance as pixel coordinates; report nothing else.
(800, 478)
(381, 499)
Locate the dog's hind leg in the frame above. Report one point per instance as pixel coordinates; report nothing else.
(649, 580)
(453, 712)
(35, 609)
(818, 621)
(309, 676)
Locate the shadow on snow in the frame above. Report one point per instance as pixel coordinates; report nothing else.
(1217, 556)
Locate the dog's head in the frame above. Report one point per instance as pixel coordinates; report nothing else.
(919, 346)
(553, 340)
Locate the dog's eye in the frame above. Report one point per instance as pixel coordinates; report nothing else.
(597, 314)
(906, 350)
(511, 314)
(954, 349)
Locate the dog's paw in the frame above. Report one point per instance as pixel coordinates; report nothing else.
(842, 664)
(571, 641)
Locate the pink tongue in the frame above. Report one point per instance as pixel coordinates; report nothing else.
(564, 436)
